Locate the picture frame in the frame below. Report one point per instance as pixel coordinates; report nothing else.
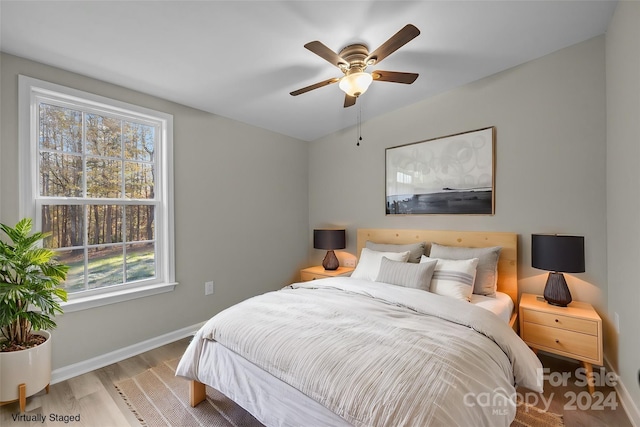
(451, 175)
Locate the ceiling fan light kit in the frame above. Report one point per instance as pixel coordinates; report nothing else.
(355, 84)
(353, 61)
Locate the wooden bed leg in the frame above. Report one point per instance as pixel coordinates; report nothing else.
(197, 393)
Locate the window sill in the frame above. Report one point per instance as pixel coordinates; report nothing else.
(79, 304)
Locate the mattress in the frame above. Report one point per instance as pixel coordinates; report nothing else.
(501, 305)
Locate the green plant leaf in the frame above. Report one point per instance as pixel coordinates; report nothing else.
(30, 295)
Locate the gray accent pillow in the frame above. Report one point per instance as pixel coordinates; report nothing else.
(416, 250)
(487, 270)
(406, 274)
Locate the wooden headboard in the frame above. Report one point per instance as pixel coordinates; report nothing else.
(507, 264)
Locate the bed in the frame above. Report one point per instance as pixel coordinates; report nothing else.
(352, 351)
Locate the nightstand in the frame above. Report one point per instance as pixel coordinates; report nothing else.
(318, 272)
(574, 331)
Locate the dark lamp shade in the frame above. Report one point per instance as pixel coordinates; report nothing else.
(329, 239)
(557, 254)
(563, 254)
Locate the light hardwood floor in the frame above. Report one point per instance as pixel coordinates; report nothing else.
(94, 397)
(568, 399)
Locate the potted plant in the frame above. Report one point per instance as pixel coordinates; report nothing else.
(29, 299)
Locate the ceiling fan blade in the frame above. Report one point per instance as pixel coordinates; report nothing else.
(314, 86)
(399, 39)
(394, 76)
(325, 53)
(349, 101)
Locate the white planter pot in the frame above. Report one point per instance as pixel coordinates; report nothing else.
(31, 367)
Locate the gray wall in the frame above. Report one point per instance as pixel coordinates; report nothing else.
(623, 191)
(550, 161)
(241, 217)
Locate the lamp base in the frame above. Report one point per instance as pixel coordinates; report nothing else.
(556, 291)
(330, 261)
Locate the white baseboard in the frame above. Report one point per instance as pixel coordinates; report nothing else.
(633, 412)
(70, 371)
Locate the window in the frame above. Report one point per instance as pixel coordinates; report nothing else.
(96, 173)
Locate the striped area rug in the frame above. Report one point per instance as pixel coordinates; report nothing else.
(158, 398)
(530, 416)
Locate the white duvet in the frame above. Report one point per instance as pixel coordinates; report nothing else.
(378, 354)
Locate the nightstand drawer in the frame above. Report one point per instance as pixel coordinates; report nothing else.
(306, 276)
(572, 343)
(562, 322)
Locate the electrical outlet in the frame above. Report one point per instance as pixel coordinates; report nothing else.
(350, 262)
(208, 288)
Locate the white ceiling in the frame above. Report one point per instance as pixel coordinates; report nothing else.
(240, 59)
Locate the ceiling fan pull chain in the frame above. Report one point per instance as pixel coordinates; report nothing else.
(359, 124)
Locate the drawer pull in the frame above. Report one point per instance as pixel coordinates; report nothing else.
(557, 320)
(557, 341)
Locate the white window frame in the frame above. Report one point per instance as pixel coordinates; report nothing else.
(30, 92)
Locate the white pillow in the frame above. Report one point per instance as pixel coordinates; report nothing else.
(369, 264)
(453, 277)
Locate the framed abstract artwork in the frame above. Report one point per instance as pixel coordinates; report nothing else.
(448, 175)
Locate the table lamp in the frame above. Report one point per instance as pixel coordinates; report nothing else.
(557, 254)
(329, 240)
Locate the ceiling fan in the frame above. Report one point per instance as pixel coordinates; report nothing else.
(354, 59)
